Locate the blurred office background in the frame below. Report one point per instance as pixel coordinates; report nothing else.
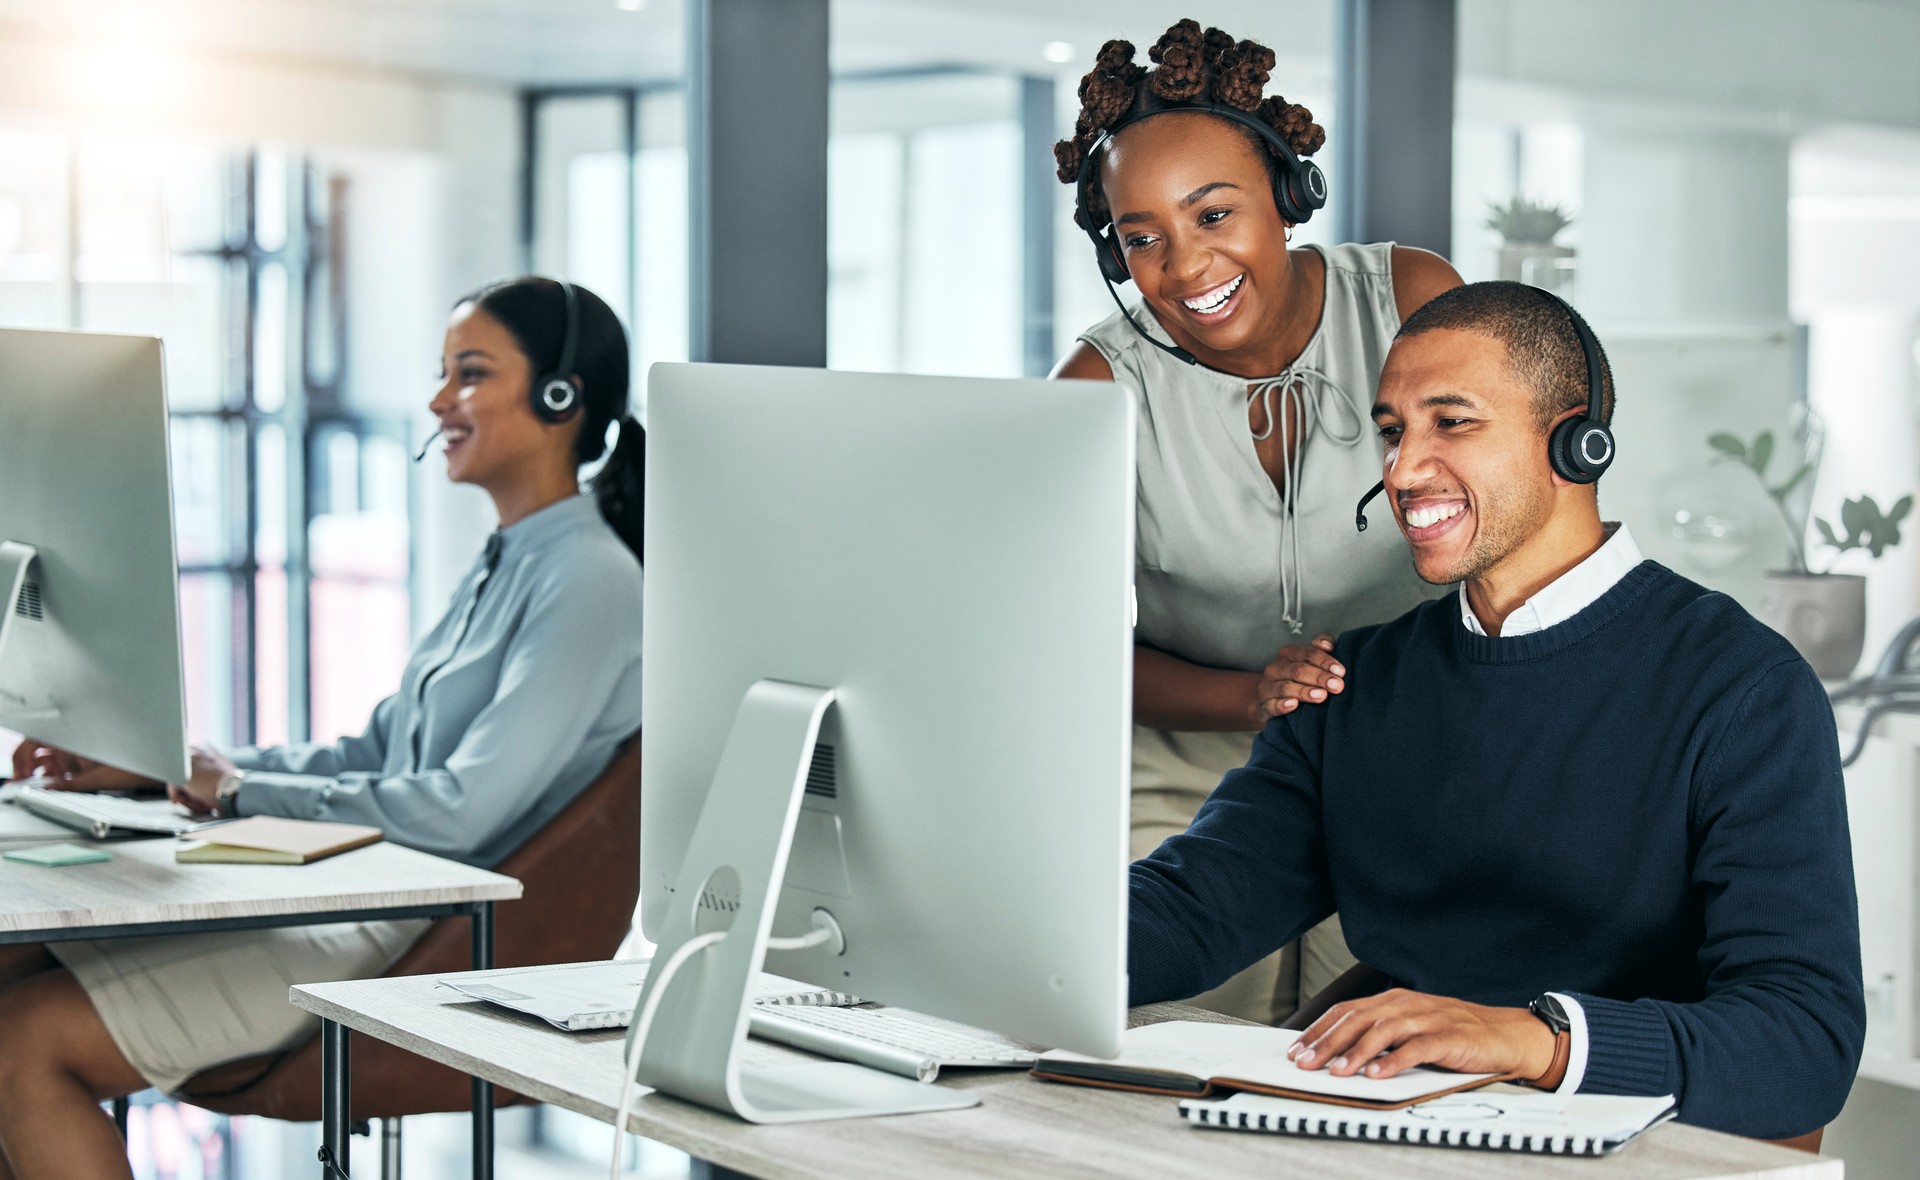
(293, 193)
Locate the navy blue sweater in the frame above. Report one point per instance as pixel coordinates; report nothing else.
(1640, 807)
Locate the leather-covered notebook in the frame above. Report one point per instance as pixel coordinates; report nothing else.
(1191, 1059)
(270, 840)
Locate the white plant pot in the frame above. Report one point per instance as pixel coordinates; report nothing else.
(1545, 266)
(1824, 616)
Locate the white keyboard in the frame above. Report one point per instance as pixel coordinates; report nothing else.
(101, 816)
(894, 1039)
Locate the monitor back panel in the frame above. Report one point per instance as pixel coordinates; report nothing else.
(93, 664)
(955, 557)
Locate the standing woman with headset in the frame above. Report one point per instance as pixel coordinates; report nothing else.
(1254, 367)
(508, 709)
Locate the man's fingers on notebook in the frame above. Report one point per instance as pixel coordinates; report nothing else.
(1328, 1036)
(1420, 1050)
(1337, 1031)
(1376, 1037)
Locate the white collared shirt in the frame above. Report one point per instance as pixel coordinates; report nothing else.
(1556, 602)
(1571, 592)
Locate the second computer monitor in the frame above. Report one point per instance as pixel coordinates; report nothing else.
(89, 592)
(953, 560)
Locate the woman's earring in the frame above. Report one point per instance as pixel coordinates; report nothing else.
(1289, 233)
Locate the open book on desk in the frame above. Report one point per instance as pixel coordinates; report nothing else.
(1188, 1058)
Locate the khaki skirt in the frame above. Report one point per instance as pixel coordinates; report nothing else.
(177, 1004)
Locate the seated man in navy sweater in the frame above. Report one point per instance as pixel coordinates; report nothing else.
(1586, 813)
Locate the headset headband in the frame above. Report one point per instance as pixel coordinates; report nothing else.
(556, 395)
(569, 340)
(1090, 162)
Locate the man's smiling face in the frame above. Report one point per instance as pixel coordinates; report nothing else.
(1466, 465)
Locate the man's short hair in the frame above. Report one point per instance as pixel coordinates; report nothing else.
(1542, 348)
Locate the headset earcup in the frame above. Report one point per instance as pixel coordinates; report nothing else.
(1564, 449)
(1560, 451)
(1300, 189)
(1113, 262)
(555, 398)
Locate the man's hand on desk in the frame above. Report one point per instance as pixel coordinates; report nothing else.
(70, 772)
(1412, 1028)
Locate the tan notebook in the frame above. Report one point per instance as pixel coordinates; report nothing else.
(270, 840)
(1194, 1059)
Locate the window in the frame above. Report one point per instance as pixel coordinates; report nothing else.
(291, 504)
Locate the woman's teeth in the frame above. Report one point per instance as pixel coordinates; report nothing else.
(1421, 518)
(455, 434)
(1212, 300)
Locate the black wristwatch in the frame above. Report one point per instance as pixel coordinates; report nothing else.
(1548, 1009)
(1554, 1016)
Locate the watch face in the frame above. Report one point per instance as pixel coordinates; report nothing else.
(1548, 1009)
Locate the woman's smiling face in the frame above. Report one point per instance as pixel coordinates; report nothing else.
(492, 436)
(1192, 204)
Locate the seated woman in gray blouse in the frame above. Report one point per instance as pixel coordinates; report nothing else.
(509, 707)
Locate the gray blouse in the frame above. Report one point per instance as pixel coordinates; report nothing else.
(510, 706)
(1228, 570)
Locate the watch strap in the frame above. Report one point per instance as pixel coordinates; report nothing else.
(1557, 1070)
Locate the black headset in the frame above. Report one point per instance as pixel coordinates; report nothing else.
(1299, 188)
(1580, 449)
(556, 394)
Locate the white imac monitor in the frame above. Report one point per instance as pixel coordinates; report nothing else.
(89, 590)
(888, 701)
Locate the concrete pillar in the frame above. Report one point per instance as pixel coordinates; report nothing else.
(757, 180)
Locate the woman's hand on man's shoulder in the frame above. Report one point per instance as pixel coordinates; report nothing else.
(1301, 674)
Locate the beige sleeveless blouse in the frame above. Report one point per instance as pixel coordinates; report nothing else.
(1228, 569)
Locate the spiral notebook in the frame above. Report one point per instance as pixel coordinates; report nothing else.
(1498, 1118)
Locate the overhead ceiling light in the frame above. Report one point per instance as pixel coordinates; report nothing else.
(1059, 52)
(630, 5)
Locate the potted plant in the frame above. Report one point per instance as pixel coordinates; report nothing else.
(1527, 253)
(1823, 614)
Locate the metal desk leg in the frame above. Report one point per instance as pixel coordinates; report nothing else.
(482, 1090)
(335, 1112)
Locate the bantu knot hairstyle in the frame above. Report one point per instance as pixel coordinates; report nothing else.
(1189, 65)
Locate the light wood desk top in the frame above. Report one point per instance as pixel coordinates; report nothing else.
(144, 885)
(1022, 1127)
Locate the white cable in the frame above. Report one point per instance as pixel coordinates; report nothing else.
(821, 934)
(637, 1042)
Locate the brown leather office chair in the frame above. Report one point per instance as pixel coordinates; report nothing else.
(1362, 980)
(581, 879)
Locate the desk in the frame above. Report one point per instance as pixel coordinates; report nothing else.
(143, 890)
(1022, 1128)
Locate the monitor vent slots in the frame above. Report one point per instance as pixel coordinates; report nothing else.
(29, 605)
(720, 900)
(823, 777)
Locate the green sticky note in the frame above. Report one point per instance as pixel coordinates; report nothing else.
(60, 855)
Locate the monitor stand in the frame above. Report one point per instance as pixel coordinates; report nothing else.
(745, 832)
